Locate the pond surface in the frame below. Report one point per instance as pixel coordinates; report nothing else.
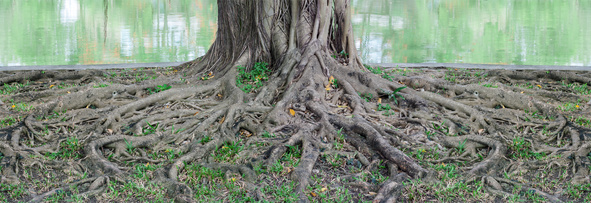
(523, 32)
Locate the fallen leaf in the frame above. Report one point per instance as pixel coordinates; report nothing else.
(379, 100)
(51, 86)
(13, 106)
(480, 131)
(521, 92)
(219, 95)
(313, 194)
(223, 118)
(323, 189)
(503, 105)
(196, 113)
(372, 193)
(68, 92)
(292, 112)
(233, 179)
(331, 78)
(109, 131)
(539, 86)
(327, 87)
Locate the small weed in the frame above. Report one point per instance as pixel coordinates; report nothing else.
(394, 94)
(100, 85)
(367, 96)
(205, 139)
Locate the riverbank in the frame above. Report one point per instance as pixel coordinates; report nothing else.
(385, 65)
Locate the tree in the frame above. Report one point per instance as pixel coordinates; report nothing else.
(281, 83)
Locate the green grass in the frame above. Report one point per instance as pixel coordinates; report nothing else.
(521, 149)
(248, 81)
(228, 152)
(69, 149)
(13, 88)
(578, 88)
(158, 88)
(9, 120)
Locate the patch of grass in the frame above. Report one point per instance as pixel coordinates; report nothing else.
(100, 85)
(228, 152)
(159, 88)
(568, 106)
(521, 149)
(8, 121)
(578, 89)
(69, 149)
(582, 121)
(21, 106)
(281, 193)
(490, 85)
(367, 96)
(13, 88)
(268, 135)
(253, 79)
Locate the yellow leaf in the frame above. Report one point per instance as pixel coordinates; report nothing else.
(219, 95)
(68, 92)
(196, 113)
(223, 118)
(292, 112)
(51, 86)
(521, 92)
(379, 100)
(331, 78)
(13, 106)
(577, 106)
(233, 179)
(539, 86)
(147, 164)
(313, 194)
(323, 189)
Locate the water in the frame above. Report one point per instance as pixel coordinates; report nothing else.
(523, 32)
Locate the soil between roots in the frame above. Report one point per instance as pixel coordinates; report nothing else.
(159, 135)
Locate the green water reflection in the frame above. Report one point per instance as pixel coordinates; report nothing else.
(531, 32)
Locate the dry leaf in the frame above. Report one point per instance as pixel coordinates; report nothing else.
(219, 95)
(379, 100)
(313, 194)
(109, 131)
(51, 86)
(521, 92)
(327, 87)
(292, 112)
(196, 113)
(223, 118)
(323, 189)
(480, 131)
(331, 78)
(372, 193)
(68, 92)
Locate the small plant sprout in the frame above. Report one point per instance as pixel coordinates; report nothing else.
(395, 95)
